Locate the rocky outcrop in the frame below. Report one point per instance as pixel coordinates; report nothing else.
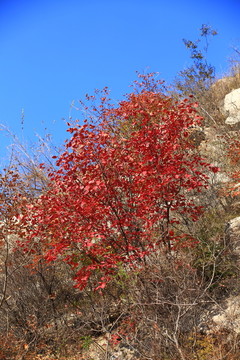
(232, 107)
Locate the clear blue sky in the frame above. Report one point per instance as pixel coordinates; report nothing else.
(53, 52)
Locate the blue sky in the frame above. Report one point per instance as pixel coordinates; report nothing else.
(54, 52)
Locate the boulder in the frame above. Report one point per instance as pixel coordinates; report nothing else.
(232, 107)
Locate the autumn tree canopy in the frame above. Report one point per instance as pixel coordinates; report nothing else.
(121, 187)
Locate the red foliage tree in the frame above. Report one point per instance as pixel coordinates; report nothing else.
(121, 186)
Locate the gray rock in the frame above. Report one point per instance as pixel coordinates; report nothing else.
(232, 107)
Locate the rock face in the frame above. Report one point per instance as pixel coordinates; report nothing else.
(232, 107)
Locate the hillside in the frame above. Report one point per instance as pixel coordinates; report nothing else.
(125, 257)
